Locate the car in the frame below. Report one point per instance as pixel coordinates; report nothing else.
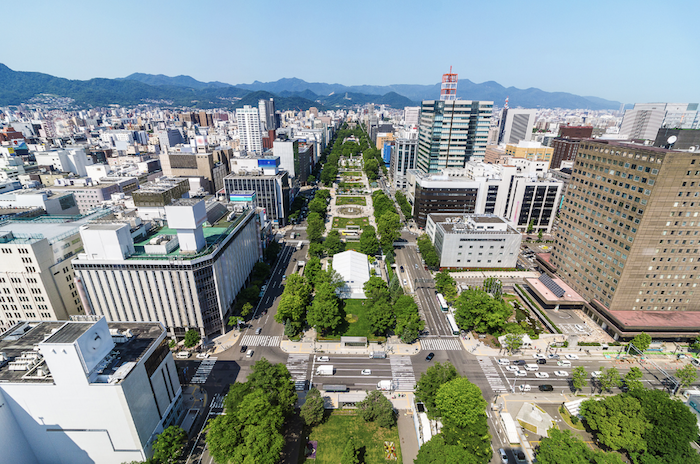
(401, 268)
(430, 356)
(249, 354)
(682, 356)
(405, 282)
(366, 372)
(546, 388)
(258, 331)
(695, 362)
(284, 277)
(244, 348)
(572, 357)
(541, 375)
(504, 362)
(416, 266)
(580, 328)
(552, 356)
(539, 356)
(525, 388)
(519, 362)
(202, 355)
(520, 373)
(561, 373)
(504, 458)
(512, 368)
(596, 374)
(323, 359)
(541, 361)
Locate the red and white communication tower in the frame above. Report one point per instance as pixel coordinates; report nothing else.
(448, 90)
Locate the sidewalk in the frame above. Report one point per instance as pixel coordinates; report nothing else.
(226, 341)
(334, 347)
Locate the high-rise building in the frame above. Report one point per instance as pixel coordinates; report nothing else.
(267, 114)
(645, 119)
(451, 133)
(411, 115)
(576, 132)
(516, 125)
(248, 119)
(628, 237)
(86, 392)
(563, 149)
(403, 158)
(212, 166)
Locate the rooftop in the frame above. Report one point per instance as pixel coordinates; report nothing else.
(51, 227)
(569, 296)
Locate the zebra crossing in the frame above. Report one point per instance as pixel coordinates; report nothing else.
(440, 344)
(492, 375)
(402, 373)
(203, 370)
(261, 340)
(217, 402)
(297, 365)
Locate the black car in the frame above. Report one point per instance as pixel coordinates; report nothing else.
(519, 362)
(401, 268)
(546, 388)
(430, 356)
(244, 348)
(541, 361)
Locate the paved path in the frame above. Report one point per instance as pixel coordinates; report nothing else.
(407, 434)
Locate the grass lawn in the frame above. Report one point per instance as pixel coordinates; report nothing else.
(342, 223)
(355, 323)
(350, 201)
(351, 185)
(351, 173)
(334, 432)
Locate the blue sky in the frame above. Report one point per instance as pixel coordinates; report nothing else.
(630, 51)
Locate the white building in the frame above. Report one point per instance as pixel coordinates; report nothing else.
(185, 276)
(85, 392)
(516, 125)
(59, 203)
(248, 119)
(473, 241)
(354, 268)
(411, 116)
(403, 158)
(65, 160)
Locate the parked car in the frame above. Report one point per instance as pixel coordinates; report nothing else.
(502, 453)
(401, 268)
(546, 388)
(695, 362)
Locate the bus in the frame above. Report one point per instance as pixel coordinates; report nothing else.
(442, 302)
(453, 324)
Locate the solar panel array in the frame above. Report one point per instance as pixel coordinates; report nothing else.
(552, 285)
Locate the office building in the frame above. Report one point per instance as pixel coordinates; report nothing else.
(516, 125)
(678, 139)
(185, 275)
(85, 392)
(451, 133)
(152, 198)
(266, 111)
(563, 149)
(403, 158)
(411, 115)
(627, 239)
(645, 119)
(169, 138)
(270, 184)
(533, 151)
(89, 197)
(576, 132)
(36, 276)
(72, 159)
(52, 202)
(212, 166)
(248, 119)
(522, 193)
(295, 158)
(473, 240)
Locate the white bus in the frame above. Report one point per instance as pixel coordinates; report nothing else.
(442, 302)
(453, 324)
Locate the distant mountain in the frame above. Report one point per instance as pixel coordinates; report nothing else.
(466, 89)
(177, 81)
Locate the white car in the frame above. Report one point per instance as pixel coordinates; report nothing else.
(571, 357)
(520, 373)
(366, 372)
(512, 368)
(202, 355)
(541, 375)
(504, 362)
(539, 356)
(596, 374)
(552, 356)
(561, 373)
(525, 388)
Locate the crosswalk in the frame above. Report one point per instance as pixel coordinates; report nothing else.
(217, 402)
(402, 373)
(440, 344)
(297, 365)
(492, 376)
(203, 370)
(261, 340)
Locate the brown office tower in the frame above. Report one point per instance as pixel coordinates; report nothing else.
(576, 132)
(564, 150)
(629, 238)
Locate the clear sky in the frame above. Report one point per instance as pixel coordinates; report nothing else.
(625, 50)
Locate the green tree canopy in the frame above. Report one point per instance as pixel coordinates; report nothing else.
(562, 447)
(315, 227)
(276, 381)
(294, 301)
(408, 321)
(446, 285)
(436, 451)
(312, 409)
(642, 341)
(477, 310)
(618, 421)
(192, 337)
(377, 408)
(430, 382)
(427, 250)
(687, 375)
(513, 342)
(168, 445)
(389, 228)
(369, 244)
(578, 378)
(351, 452)
(333, 244)
(312, 269)
(633, 378)
(324, 313)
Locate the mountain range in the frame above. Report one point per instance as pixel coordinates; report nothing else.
(289, 93)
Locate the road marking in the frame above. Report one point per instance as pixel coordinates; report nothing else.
(261, 340)
(492, 376)
(297, 365)
(203, 371)
(402, 373)
(440, 344)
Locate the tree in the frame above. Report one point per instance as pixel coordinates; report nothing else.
(294, 301)
(430, 382)
(369, 244)
(436, 451)
(380, 316)
(260, 423)
(312, 409)
(477, 310)
(395, 288)
(311, 179)
(272, 250)
(446, 285)
(408, 321)
(388, 227)
(168, 445)
(463, 412)
(318, 205)
(493, 286)
(261, 271)
(562, 447)
(312, 269)
(315, 227)
(351, 453)
(377, 408)
(427, 250)
(609, 378)
(333, 244)
(696, 344)
(530, 227)
(618, 421)
(324, 313)
(687, 375)
(633, 378)
(513, 342)
(276, 381)
(578, 378)
(246, 308)
(316, 249)
(192, 337)
(642, 342)
(540, 234)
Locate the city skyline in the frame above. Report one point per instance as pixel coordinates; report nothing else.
(562, 41)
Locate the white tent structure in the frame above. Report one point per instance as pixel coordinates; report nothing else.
(354, 269)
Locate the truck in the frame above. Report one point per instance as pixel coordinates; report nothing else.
(377, 355)
(300, 245)
(325, 370)
(384, 385)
